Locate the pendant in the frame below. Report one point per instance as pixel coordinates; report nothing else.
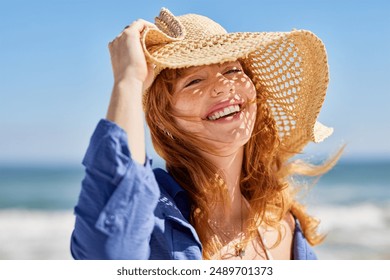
(240, 251)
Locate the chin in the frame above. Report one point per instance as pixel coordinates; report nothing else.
(224, 147)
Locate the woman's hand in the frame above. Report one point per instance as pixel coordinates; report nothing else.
(127, 56)
(132, 75)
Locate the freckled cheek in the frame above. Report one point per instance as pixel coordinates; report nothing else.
(189, 107)
(181, 104)
(185, 101)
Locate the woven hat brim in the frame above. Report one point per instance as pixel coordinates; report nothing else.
(289, 67)
(174, 53)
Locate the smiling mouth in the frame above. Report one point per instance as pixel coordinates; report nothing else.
(224, 112)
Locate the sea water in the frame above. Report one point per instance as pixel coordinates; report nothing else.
(36, 211)
(352, 201)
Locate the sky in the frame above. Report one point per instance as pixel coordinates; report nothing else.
(56, 80)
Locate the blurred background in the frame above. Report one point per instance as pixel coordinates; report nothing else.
(55, 85)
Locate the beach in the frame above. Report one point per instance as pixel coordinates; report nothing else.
(352, 201)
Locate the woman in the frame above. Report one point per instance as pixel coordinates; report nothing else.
(226, 112)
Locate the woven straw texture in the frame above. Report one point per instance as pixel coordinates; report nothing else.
(290, 68)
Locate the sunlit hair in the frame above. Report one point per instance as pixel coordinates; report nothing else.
(266, 174)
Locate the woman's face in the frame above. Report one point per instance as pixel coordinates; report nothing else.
(217, 104)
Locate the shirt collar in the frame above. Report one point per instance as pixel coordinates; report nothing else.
(174, 190)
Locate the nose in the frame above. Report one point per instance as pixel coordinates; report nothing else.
(222, 86)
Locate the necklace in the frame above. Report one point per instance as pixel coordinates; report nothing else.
(240, 250)
(239, 247)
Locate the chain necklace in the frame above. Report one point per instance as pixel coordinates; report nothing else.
(240, 246)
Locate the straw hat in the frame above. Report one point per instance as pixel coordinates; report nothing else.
(290, 68)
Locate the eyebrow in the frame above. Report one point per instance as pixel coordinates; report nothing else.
(186, 71)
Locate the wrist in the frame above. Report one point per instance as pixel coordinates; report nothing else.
(129, 86)
(128, 83)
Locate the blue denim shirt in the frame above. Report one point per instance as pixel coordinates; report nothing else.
(129, 211)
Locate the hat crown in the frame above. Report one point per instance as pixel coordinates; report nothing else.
(189, 26)
(197, 26)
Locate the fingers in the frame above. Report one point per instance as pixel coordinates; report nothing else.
(139, 25)
(135, 29)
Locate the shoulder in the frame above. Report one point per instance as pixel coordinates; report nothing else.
(290, 222)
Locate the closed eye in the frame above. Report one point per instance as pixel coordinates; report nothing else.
(193, 82)
(232, 71)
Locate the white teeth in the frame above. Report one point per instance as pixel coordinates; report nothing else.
(224, 112)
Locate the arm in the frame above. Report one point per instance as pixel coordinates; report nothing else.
(131, 76)
(114, 214)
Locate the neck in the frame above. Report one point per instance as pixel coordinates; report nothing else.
(230, 166)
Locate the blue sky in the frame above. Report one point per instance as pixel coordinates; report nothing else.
(55, 72)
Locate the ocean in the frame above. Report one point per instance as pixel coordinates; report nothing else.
(352, 201)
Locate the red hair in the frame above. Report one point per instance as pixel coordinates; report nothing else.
(265, 170)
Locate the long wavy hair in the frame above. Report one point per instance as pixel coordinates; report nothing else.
(266, 174)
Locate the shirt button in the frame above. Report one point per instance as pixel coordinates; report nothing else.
(109, 223)
(109, 220)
